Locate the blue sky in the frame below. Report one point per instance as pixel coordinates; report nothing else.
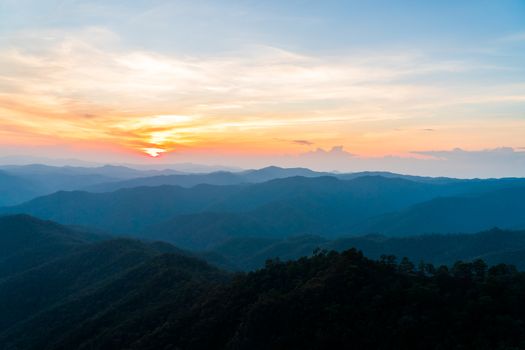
(330, 26)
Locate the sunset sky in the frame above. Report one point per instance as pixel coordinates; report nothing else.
(427, 87)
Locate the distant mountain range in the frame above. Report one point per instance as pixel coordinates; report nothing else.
(503, 208)
(245, 177)
(125, 211)
(294, 205)
(14, 189)
(19, 183)
(201, 211)
(494, 246)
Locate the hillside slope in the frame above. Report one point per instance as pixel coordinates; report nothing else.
(503, 208)
(326, 301)
(125, 211)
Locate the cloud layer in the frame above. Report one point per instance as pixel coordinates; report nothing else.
(182, 80)
(79, 86)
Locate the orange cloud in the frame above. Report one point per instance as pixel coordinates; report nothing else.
(84, 87)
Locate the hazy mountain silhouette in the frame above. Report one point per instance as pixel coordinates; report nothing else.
(214, 178)
(14, 189)
(185, 180)
(205, 215)
(503, 208)
(246, 177)
(108, 171)
(326, 206)
(125, 211)
(495, 246)
(20, 183)
(284, 203)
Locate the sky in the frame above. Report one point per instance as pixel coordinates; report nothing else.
(419, 87)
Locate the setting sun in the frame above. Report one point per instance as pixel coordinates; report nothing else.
(154, 152)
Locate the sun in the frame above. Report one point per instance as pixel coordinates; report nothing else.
(154, 152)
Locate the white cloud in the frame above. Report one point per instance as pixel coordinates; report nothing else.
(89, 67)
(86, 84)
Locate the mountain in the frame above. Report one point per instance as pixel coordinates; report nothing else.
(14, 189)
(375, 192)
(188, 168)
(251, 253)
(205, 215)
(81, 269)
(247, 177)
(109, 171)
(494, 246)
(274, 172)
(250, 177)
(94, 293)
(26, 242)
(186, 180)
(20, 183)
(47, 175)
(125, 211)
(296, 205)
(435, 180)
(503, 208)
(280, 208)
(329, 300)
(214, 178)
(66, 275)
(345, 300)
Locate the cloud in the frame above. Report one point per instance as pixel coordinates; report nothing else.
(501, 154)
(498, 162)
(86, 84)
(457, 162)
(303, 142)
(335, 151)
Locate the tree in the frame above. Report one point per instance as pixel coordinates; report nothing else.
(406, 266)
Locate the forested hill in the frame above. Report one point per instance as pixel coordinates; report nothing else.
(88, 293)
(74, 290)
(204, 216)
(48, 269)
(331, 300)
(494, 246)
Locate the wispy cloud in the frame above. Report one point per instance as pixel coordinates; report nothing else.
(497, 162)
(303, 142)
(85, 85)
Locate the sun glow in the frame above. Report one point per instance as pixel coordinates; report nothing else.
(154, 152)
(259, 100)
(157, 134)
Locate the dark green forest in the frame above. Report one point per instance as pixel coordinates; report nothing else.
(95, 292)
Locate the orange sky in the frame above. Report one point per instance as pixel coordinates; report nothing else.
(87, 87)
